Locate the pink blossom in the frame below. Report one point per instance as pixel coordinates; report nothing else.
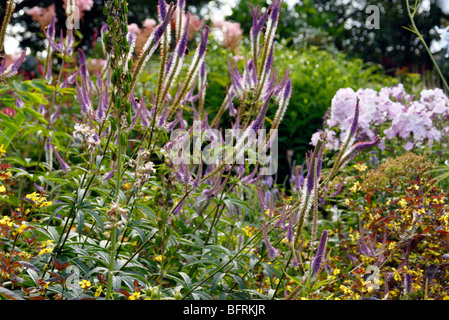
(149, 23)
(41, 15)
(84, 5)
(392, 112)
(133, 28)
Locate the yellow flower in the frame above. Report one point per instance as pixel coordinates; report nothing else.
(159, 258)
(134, 296)
(1, 149)
(85, 284)
(5, 175)
(360, 167)
(345, 289)
(337, 271)
(98, 291)
(45, 250)
(249, 231)
(391, 245)
(356, 187)
(402, 202)
(47, 243)
(2, 189)
(6, 221)
(446, 297)
(38, 201)
(396, 274)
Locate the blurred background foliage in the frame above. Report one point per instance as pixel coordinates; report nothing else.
(324, 43)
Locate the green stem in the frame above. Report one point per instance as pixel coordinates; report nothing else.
(420, 37)
(113, 237)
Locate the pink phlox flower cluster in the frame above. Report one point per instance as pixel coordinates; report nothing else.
(391, 112)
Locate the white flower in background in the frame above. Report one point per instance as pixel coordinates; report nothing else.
(444, 42)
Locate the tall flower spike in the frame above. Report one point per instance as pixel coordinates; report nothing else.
(181, 5)
(258, 23)
(316, 264)
(272, 251)
(193, 70)
(162, 10)
(151, 45)
(261, 197)
(273, 17)
(357, 148)
(64, 166)
(175, 63)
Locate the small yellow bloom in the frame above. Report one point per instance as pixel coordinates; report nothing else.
(2, 189)
(2, 150)
(134, 296)
(85, 284)
(45, 250)
(159, 258)
(6, 221)
(402, 202)
(360, 167)
(396, 274)
(98, 291)
(337, 271)
(47, 243)
(356, 187)
(249, 231)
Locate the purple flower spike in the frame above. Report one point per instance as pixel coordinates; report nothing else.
(162, 10)
(272, 251)
(64, 166)
(203, 45)
(288, 89)
(51, 30)
(258, 20)
(182, 43)
(258, 123)
(316, 264)
(274, 10)
(355, 121)
(261, 197)
(13, 68)
(299, 179)
(358, 147)
(142, 113)
(181, 4)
